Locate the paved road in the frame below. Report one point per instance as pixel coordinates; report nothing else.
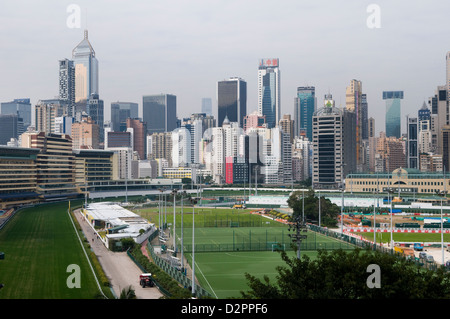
(119, 268)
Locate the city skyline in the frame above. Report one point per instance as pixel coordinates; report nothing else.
(142, 52)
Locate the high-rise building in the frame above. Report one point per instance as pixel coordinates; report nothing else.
(139, 136)
(231, 101)
(412, 145)
(95, 109)
(161, 147)
(334, 147)
(207, 105)
(86, 70)
(120, 112)
(118, 139)
(9, 128)
(181, 147)
(353, 103)
(269, 96)
(304, 108)
(21, 107)
(160, 113)
(254, 120)
(371, 127)
(287, 125)
(85, 134)
(393, 113)
(390, 153)
(67, 85)
(46, 113)
(364, 117)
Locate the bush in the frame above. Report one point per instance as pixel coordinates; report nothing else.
(162, 278)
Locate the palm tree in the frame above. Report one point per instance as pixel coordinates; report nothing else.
(127, 293)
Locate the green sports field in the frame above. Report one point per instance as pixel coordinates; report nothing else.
(223, 274)
(39, 244)
(407, 237)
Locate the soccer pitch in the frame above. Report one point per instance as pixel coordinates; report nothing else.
(223, 274)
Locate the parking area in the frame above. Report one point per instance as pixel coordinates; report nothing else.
(436, 252)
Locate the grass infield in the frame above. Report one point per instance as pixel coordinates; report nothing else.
(39, 244)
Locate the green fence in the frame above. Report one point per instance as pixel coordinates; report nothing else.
(257, 239)
(177, 274)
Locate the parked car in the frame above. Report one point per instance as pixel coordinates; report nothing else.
(430, 259)
(422, 255)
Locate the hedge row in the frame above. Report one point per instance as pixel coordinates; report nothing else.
(163, 279)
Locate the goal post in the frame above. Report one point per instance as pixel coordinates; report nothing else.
(278, 247)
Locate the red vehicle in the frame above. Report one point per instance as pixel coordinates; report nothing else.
(145, 280)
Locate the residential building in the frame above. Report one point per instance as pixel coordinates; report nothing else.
(85, 134)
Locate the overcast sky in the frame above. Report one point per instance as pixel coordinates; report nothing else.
(185, 47)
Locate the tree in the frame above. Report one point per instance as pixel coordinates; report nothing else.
(329, 211)
(127, 293)
(344, 275)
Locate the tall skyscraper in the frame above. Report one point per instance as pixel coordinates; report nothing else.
(269, 97)
(353, 103)
(412, 147)
(364, 117)
(334, 147)
(67, 84)
(393, 113)
(86, 70)
(371, 127)
(304, 108)
(232, 100)
(120, 112)
(160, 113)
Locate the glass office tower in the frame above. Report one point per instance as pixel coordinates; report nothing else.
(232, 101)
(269, 91)
(393, 113)
(86, 70)
(305, 106)
(160, 113)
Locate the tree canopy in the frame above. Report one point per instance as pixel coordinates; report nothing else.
(340, 274)
(329, 211)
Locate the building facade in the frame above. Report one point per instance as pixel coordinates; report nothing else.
(393, 113)
(231, 101)
(160, 113)
(269, 96)
(304, 108)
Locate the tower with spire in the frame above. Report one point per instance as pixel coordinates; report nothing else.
(86, 70)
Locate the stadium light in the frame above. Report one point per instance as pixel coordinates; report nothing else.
(182, 243)
(193, 202)
(174, 193)
(297, 227)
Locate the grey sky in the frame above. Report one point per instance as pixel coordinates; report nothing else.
(185, 47)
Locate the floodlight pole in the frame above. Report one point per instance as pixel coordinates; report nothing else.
(174, 192)
(319, 208)
(444, 193)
